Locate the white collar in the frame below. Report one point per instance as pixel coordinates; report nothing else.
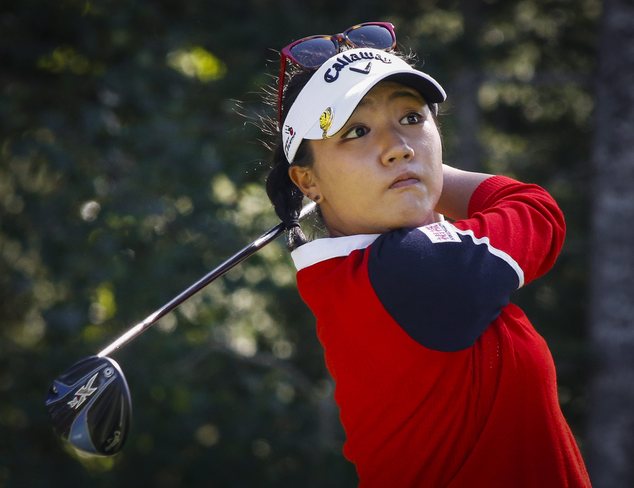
(330, 247)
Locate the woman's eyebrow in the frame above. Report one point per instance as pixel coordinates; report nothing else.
(404, 93)
(407, 94)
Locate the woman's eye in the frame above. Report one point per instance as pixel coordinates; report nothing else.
(412, 118)
(355, 132)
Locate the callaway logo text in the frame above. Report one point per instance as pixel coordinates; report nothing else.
(344, 60)
(363, 71)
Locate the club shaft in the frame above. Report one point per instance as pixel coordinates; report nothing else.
(220, 270)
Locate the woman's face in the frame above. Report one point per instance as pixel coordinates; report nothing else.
(382, 170)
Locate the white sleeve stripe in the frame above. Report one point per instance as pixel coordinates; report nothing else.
(332, 247)
(327, 248)
(496, 252)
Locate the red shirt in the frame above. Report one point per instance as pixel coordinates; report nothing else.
(440, 381)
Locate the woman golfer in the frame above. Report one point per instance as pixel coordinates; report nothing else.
(440, 380)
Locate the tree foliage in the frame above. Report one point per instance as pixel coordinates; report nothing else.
(129, 169)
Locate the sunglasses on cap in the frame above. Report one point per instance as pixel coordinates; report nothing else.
(311, 52)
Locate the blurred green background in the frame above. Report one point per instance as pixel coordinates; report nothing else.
(132, 163)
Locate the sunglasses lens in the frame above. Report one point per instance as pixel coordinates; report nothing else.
(312, 53)
(374, 36)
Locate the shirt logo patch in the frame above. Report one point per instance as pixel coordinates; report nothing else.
(440, 232)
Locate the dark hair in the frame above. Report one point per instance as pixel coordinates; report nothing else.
(284, 195)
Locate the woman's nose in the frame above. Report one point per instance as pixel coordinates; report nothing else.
(396, 149)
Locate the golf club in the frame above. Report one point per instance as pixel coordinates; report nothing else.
(90, 403)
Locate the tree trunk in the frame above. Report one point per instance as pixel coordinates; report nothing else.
(610, 451)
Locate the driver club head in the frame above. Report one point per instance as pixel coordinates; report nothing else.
(90, 406)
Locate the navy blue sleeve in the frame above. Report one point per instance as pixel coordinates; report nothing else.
(442, 292)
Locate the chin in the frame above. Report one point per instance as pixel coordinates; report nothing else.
(416, 218)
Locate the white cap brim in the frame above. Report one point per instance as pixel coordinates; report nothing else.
(327, 101)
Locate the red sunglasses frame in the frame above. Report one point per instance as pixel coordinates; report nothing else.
(338, 40)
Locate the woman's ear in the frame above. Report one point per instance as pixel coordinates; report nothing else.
(304, 179)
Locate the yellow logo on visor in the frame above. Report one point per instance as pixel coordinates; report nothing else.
(325, 121)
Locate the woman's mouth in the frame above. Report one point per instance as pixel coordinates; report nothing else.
(405, 180)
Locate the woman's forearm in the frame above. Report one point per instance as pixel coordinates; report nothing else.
(458, 186)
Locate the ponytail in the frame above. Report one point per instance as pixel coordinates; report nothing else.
(284, 195)
(286, 199)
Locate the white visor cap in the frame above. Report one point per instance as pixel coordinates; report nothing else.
(328, 99)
